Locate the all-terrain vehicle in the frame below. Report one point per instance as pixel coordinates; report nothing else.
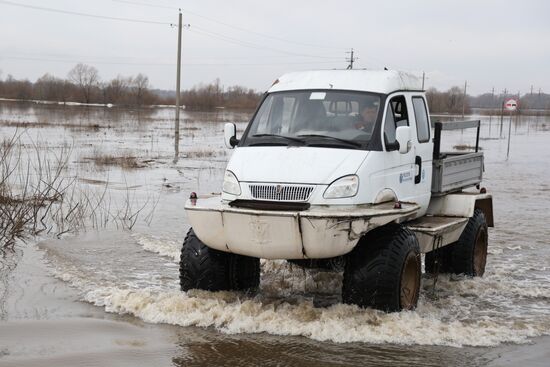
(339, 168)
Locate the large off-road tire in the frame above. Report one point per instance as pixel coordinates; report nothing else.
(244, 272)
(208, 269)
(383, 271)
(466, 256)
(469, 254)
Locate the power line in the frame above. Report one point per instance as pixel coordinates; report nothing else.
(230, 25)
(75, 61)
(203, 31)
(61, 11)
(147, 60)
(146, 4)
(160, 64)
(252, 45)
(120, 58)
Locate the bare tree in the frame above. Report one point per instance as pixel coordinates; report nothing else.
(116, 89)
(50, 88)
(140, 87)
(86, 78)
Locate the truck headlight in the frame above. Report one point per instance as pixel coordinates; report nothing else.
(344, 187)
(231, 184)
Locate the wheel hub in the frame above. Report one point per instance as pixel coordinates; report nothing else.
(480, 252)
(410, 282)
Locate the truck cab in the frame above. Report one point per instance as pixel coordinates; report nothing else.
(349, 138)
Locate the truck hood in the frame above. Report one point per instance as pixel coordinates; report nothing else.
(302, 165)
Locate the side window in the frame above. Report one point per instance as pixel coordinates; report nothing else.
(422, 123)
(389, 127)
(396, 115)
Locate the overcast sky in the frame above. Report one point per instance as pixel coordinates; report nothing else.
(251, 42)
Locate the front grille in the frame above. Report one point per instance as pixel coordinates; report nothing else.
(281, 192)
(269, 205)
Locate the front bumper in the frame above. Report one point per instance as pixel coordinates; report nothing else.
(317, 233)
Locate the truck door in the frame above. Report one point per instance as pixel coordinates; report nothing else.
(423, 147)
(398, 168)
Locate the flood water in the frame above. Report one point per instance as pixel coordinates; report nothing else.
(109, 295)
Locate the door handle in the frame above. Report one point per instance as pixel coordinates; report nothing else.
(418, 162)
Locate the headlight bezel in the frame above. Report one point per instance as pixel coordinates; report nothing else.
(231, 184)
(344, 187)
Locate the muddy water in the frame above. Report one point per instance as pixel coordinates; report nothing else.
(122, 287)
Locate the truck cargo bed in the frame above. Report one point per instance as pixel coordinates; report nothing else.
(455, 171)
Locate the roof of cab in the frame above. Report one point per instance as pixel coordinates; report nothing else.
(377, 81)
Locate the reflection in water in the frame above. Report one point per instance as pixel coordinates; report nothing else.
(199, 348)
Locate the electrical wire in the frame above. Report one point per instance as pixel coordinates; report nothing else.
(236, 41)
(147, 59)
(201, 30)
(54, 10)
(72, 61)
(241, 29)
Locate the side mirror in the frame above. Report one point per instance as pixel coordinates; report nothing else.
(403, 137)
(230, 135)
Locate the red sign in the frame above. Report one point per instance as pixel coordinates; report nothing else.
(511, 104)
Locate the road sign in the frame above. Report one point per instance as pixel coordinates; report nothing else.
(511, 104)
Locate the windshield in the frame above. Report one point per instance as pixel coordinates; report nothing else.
(315, 118)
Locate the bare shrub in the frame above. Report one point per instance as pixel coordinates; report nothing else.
(38, 197)
(29, 188)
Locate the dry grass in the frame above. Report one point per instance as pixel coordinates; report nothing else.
(126, 161)
(47, 124)
(200, 153)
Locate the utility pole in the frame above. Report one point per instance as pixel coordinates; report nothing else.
(518, 112)
(502, 112)
(178, 78)
(464, 98)
(510, 133)
(491, 109)
(351, 60)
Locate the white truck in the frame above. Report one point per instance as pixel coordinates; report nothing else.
(339, 169)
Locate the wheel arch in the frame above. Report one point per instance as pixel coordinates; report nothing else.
(462, 204)
(385, 195)
(486, 206)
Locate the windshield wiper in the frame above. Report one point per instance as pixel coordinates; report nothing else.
(291, 138)
(350, 142)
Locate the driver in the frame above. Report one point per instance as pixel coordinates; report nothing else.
(367, 118)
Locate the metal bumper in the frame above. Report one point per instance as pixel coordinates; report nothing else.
(316, 233)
